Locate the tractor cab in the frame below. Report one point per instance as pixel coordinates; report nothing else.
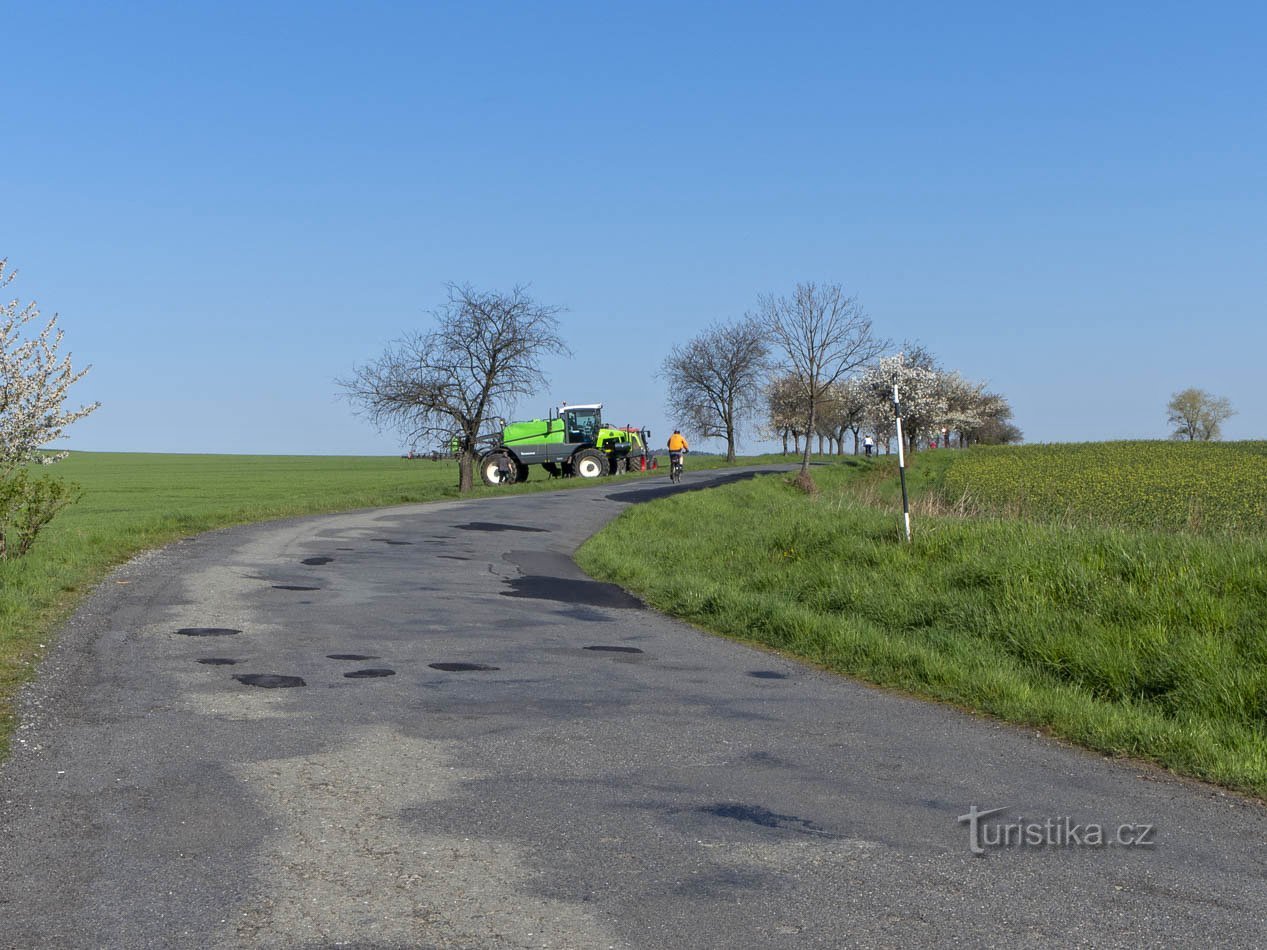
(581, 423)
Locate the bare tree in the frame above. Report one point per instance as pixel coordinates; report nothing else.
(447, 384)
(715, 380)
(824, 335)
(1197, 415)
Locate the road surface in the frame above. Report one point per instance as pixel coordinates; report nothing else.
(489, 749)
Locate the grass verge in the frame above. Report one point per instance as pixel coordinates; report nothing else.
(1128, 642)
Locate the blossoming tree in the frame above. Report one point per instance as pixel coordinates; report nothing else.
(34, 383)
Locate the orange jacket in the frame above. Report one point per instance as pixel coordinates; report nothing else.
(677, 443)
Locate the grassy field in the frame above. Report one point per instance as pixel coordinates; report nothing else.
(134, 501)
(1205, 487)
(1129, 641)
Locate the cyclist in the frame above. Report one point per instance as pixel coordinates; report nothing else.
(677, 448)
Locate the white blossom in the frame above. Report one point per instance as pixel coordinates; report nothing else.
(34, 382)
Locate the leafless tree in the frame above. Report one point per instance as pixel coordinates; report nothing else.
(446, 385)
(715, 380)
(1197, 415)
(823, 335)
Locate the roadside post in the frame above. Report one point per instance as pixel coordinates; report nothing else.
(901, 463)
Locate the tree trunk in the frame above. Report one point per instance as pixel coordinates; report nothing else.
(809, 435)
(466, 471)
(785, 441)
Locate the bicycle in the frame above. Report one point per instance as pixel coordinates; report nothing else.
(675, 467)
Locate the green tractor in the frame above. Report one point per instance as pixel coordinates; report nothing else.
(571, 442)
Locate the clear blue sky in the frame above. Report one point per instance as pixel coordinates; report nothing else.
(230, 204)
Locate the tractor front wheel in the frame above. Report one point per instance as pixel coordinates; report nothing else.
(589, 463)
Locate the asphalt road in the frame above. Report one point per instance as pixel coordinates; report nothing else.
(606, 777)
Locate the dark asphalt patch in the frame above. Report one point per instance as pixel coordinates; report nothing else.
(607, 649)
(756, 815)
(368, 674)
(293, 587)
(590, 593)
(390, 541)
(494, 526)
(349, 656)
(635, 495)
(462, 667)
(218, 661)
(315, 561)
(208, 632)
(269, 680)
(453, 557)
(767, 675)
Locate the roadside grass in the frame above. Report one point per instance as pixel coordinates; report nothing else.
(132, 502)
(1129, 642)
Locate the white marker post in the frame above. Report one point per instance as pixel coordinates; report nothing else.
(901, 463)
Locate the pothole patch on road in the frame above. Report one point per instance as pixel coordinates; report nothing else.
(496, 526)
(568, 591)
(208, 632)
(218, 661)
(453, 557)
(350, 656)
(293, 587)
(269, 680)
(602, 648)
(757, 815)
(369, 674)
(390, 541)
(316, 561)
(767, 675)
(463, 667)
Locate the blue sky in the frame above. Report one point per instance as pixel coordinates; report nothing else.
(232, 204)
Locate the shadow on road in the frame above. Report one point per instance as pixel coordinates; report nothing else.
(633, 495)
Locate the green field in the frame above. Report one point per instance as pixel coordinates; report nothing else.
(134, 501)
(1130, 641)
(1192, 486)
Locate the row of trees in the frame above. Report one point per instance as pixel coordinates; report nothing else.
(809, 366)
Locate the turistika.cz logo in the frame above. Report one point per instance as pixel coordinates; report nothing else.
(1050, 833)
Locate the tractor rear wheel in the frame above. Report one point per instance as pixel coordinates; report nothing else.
(490, 466)
(589, 463)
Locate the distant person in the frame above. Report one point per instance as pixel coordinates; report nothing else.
(867, 445)
(504, 474)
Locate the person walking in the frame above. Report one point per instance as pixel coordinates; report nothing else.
(867, 445)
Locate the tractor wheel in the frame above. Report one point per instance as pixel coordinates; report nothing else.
(521, 473)
(489, 465)
(589, 463)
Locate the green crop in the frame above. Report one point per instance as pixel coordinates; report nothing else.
(1206, 487)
